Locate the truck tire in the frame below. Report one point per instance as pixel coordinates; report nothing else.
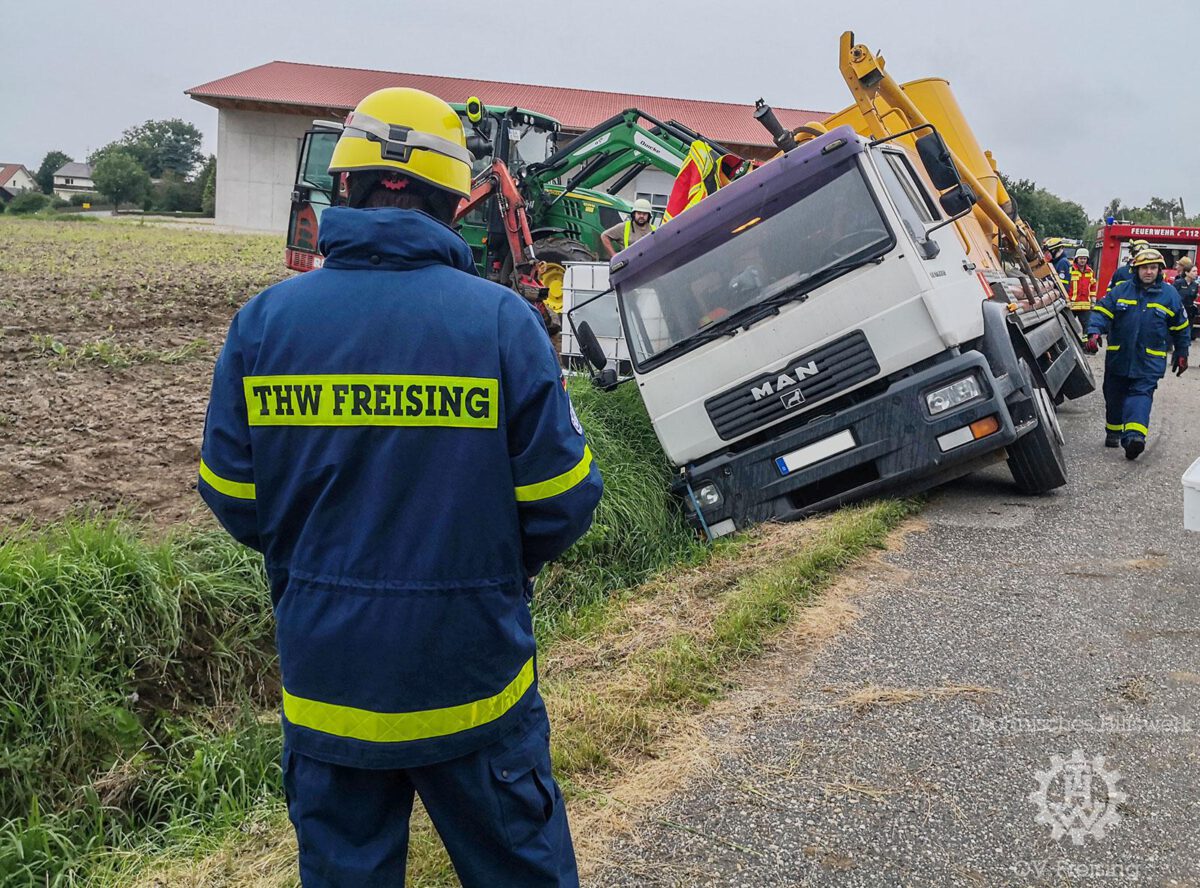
(1036, 458)
(1081, 381)
(556, 252)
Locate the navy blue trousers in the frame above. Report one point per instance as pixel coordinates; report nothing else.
(1127, 402)
(498, 811)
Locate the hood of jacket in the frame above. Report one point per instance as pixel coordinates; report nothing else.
(391, 238)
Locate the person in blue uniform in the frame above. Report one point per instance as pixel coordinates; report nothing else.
(1142, 319)
(393, 433)
(1125, 272)
(1056, 255)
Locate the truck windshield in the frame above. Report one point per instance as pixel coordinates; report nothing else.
(795, 240)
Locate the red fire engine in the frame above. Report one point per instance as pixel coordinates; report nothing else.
(1112, 242)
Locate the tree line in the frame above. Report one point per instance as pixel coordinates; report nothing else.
(157, 164)
(1051, 215)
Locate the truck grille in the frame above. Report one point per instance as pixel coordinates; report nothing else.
(787, 391)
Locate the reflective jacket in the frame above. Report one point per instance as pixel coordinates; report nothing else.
(703, 172)
(632, 237)
(394, 435)
(1140, 322)
(1124, 273)
(1081, 287)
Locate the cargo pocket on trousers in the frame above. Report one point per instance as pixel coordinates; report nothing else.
(524, 789)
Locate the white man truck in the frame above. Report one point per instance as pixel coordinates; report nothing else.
(864, 313)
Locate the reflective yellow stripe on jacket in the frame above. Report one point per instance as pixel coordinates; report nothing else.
(398, 727)
(236, 489)
(527, 493)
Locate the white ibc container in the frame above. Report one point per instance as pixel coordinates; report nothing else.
(1191, 497)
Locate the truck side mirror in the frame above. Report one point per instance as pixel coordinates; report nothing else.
(958, 200)
(937, 160)
(590, 346)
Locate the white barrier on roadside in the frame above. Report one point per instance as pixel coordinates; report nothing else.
(1191, 497)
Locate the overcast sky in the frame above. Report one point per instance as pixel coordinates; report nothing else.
(1092, 100)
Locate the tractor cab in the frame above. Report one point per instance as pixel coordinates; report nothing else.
(311, 194)
(515, 136)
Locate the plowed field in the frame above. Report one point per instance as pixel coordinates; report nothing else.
(108, 334)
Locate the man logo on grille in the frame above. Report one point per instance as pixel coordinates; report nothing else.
(792, 400)
(796, 375)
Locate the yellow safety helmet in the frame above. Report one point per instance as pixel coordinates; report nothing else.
(410, 131)
(1051, 242)
(1148, 256)
(1136, 246)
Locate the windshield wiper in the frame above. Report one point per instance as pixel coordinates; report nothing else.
(796, 292)
(701, 336)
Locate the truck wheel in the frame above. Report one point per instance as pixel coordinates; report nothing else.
(554, 253)
(1036, 459)
(1081, 381)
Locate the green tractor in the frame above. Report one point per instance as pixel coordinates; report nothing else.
(533, 206)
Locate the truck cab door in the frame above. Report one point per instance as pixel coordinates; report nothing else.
(311, 194)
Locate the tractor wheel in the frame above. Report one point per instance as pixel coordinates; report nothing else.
(553, 253)
(1036, 458)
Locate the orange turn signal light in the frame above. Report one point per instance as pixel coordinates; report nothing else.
(981, 428)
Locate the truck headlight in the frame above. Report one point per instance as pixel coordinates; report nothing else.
(958, 392)
(709, 496)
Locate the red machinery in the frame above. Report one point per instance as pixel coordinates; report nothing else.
(1111, 240)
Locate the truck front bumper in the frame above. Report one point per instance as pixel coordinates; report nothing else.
(888, 443)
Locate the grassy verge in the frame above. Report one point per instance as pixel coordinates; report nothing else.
(654, 666)
(133, 672)
(130, 675)
(618, 695)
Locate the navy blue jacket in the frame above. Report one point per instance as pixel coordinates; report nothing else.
(1123, 273)
(394, 435)
(1140, 321)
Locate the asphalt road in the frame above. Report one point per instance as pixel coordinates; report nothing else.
(1076, 615)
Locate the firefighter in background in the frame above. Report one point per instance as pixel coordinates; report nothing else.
(1081, 288)
(394, 434)
(637, 226)
(1125, 272)
(1141, 318)
(1056, 255)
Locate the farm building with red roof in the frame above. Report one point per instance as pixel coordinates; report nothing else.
(14, 179)
(264, 111)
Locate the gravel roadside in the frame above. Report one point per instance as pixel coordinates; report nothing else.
(909, 754)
